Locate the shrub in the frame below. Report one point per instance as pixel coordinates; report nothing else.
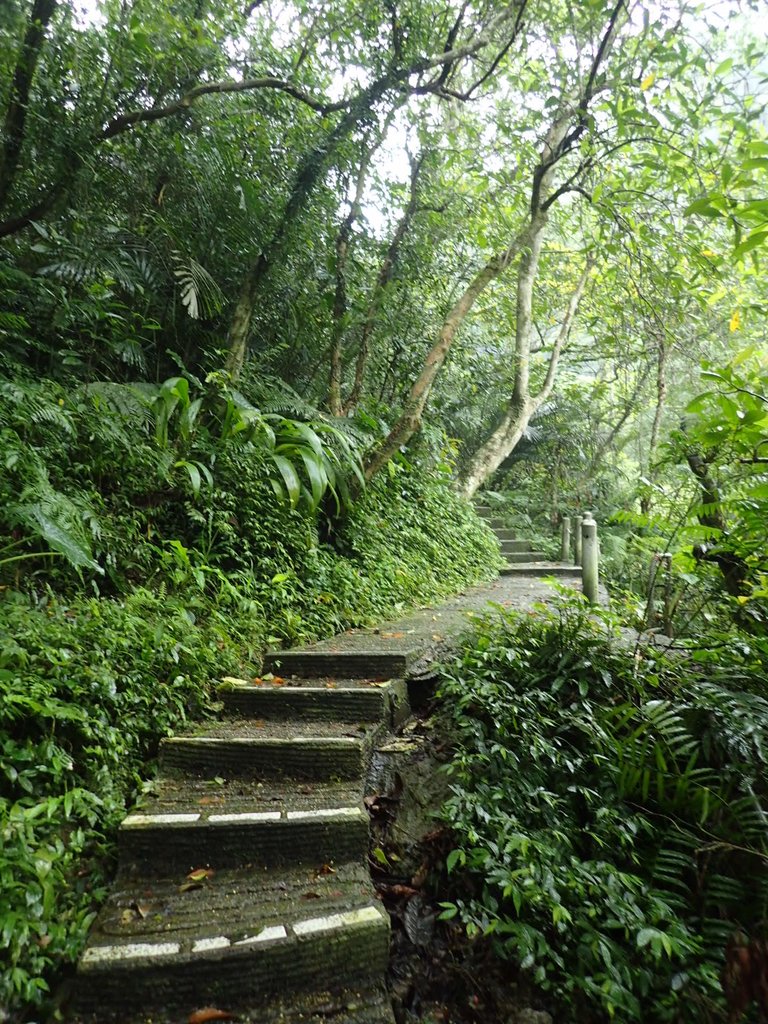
(87, 689)
(609, 811)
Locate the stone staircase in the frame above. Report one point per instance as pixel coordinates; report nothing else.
(243, 883)
(521, 558)
(243, 889)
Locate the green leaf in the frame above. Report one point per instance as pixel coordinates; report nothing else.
(317, 478)
(703, 207)
(752, 241)
(455, 857)
(60, 539)
(645, 936)
(290, 477)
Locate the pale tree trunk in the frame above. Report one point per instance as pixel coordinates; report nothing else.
(386, 272)
(522, 405)
(410, 419)
(653, 441)
(340, 295)
(529, 241)
(561, 138)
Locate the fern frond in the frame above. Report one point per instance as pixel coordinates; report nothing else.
(200, 295)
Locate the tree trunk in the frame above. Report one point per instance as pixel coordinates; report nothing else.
(314, 164)
(18, 102)
(385, 275)
(522, 405)
(733, 568)
(653, 441)
(340, 294)
(410, 419)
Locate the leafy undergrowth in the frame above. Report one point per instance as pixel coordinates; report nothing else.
(191, 539)
(87, 688)
(608, 813)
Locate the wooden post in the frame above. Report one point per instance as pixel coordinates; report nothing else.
(589, 559)
(577, 520)
(565, 541)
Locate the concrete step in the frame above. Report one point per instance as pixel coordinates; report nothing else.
(334, 662)
(524, 556)
(508, 546)
(328, 1005)
(252, 748)
(235, 938)
(542, 569)
(484, 511)
(190, 822)
(341, 700)
(504, 534)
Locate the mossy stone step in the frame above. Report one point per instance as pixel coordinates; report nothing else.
(542, 569)
(236, 903)
(371, 1005)
(263, 757)
(180, 840)
(503, 533)
(268, 749)
(515, 545)
(524, 556)
(229, 968)
(342, 700)
(176, 794)
(383, 662)
(328, 1005)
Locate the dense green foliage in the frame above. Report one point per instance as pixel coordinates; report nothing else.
(609, 808)
(252, 256)
(189, 535)
(87, 688)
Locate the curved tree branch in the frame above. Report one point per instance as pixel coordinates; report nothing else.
(123, 122)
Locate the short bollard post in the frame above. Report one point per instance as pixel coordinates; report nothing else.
(577, 521)
(565, 540)
(589, 559)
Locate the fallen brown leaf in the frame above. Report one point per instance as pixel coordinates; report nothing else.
(398, 890)
(421, 875)
(209, 1013)
(200, 874)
